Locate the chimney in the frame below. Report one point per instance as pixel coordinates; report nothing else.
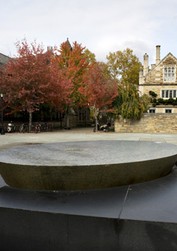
(141, 76)
(146, 64)
(157, 54)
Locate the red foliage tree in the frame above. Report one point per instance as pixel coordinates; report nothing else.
(26, 78)
(60, 87)
(66, 78)
(72, 63)
(99, 89)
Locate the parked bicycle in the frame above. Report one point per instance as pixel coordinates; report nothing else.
(24, 128)
(37, 128)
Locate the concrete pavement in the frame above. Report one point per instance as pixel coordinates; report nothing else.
(83, 134)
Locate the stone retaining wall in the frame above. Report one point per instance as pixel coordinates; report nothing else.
(149, 123)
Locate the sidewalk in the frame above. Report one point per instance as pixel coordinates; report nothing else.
(81, 134)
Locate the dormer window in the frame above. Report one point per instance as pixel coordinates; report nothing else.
(169, 73)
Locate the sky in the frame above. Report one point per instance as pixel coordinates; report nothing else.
(102, 26)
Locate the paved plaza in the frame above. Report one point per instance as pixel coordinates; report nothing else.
(83, 134)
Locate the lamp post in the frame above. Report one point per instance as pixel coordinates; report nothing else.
(2, 115)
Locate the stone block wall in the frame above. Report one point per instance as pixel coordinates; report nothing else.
(149, 123)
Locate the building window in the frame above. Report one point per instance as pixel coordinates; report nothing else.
(169, 94)
(152, 110)
(168, 110)
(169, 74)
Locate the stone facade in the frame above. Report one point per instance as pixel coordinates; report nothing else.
(149, 123)
(160, 78)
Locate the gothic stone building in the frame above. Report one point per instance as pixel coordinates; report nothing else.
(160, 78)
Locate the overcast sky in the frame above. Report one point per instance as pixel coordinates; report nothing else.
(102, 26)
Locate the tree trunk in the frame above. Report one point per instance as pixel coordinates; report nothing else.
(96, 124)
(67, 125)
(67, 121)
(30, 121)
(96, 113)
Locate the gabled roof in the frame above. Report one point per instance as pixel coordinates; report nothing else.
(4, 59)
(169, 59)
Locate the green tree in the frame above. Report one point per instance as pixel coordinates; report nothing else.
(124, 66)
(129, 104)
(90, 56)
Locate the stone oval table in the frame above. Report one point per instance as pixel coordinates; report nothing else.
(85, 164)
